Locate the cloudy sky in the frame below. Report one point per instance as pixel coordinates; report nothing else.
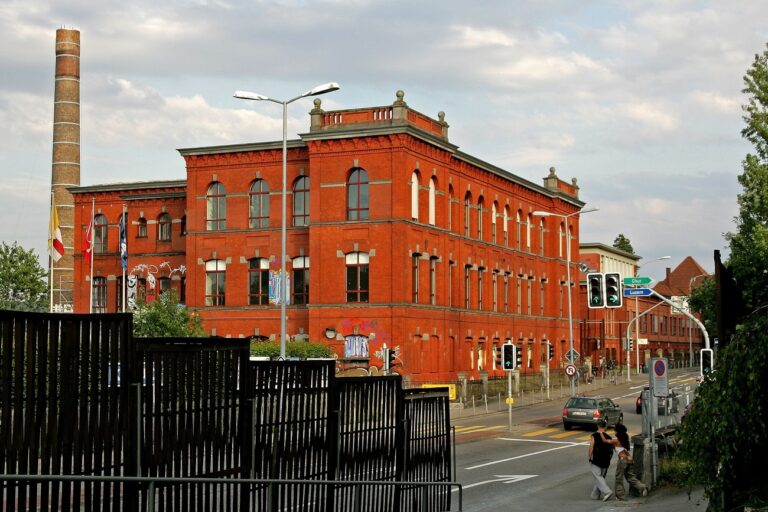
(640, 101)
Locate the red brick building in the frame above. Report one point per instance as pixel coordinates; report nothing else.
(394, 237)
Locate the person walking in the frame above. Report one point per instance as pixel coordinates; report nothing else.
(625, 465)
(600, 453)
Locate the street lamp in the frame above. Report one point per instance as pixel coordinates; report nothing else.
(637, 313)
(246, 95)
(690, 338)
(567, 273)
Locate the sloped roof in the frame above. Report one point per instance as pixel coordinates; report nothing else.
(678, 281)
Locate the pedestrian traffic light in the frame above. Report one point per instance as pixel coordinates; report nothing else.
(550, 351)
(613, 296)
(595, 291)
(518, 357)
(508, 357)
(707, 361)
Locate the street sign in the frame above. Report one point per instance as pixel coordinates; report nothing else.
(572, 356)
(659, 377)
(637, 292)
(509, 400)
(634, 281)
(570, 370)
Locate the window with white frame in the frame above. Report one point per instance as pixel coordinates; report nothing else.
(432, 192)
(258, 281)
(357, 285)
(415, 195)
(215, 282)
(300, 280)
(258, 204)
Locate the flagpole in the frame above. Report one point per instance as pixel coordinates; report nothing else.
(90, 286)
(50, 253)
(125, 227)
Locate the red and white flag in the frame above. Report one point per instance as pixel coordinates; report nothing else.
(88, 243)
(55, 244)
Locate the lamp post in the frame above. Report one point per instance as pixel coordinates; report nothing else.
(567, 273)
(637, 313)
(245, 95)
(690, 338)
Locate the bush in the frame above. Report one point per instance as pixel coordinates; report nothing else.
(300, 349)
(675, 470)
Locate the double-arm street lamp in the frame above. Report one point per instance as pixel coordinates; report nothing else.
(637, 313)
(245, 95)
(567, 273)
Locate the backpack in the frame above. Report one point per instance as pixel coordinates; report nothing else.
(601, 452)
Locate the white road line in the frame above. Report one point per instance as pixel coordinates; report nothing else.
(523, 456)
(538, 441)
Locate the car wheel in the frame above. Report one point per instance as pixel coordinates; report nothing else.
(567, 426)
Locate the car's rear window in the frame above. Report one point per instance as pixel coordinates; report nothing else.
(581, 403)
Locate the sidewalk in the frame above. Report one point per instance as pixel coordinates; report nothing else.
(662, 499)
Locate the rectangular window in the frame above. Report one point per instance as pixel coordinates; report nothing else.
(357, 277)
(433, 281)
(165, 284)
(99, 294)
(542, 298)
(519, 295)
(215, 282)
(467, 268)
(164, 228)
(415, 278)
(528, 295)
(300, 285)
(258, 282)
(480, 272)
(451, 267)
(506, 292)
(495, 291)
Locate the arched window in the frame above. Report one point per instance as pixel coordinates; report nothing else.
(100, 234)
(467, 208)
(301, 280)
(519, 229)
(164, 227)
(216, 207)
(301, 202)
(480, 207)
(432, 192)
(357, 277)
(506, 226)
(415, 195)
(357, 195)
(215, 282)
(493, 222)
(541, 237)
(258, 204)
(141, 228)
(450, 207)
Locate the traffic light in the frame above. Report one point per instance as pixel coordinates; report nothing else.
(551, 351)
(630, 344)
(595, 291)
(613, 296)
(518, 357)
(497, 349)
(508, 357)
(707, 361)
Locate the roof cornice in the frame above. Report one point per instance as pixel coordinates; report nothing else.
(125, 187)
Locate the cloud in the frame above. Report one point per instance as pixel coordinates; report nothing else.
(652, 116)
(470, 37)
(716, 102)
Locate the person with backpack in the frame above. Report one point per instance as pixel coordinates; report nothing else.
(600, 453)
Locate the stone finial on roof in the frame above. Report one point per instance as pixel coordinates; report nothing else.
(316, 116)
(443, 123)
(399, 102)
(575, 187)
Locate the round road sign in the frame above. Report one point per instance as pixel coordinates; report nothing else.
(570, 370)
(660, 368)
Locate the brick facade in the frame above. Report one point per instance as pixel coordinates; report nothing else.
(431, 222)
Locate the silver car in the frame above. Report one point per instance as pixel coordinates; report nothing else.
(586, 410)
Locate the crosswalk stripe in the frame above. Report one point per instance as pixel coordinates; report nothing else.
(540, 432)
(476, 428)
(566, 434)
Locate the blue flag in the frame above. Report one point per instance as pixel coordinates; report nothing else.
(123, 241)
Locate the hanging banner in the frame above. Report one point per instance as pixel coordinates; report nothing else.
(275, 290)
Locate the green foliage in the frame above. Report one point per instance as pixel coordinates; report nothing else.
(23, 283)
(702, 301)
(724, 435)
(166, 318)
(623, 243)
(675, 470)
(301, 349)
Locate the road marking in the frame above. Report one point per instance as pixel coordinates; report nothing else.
(476, 428)
(537, 441)
(504, 479)
(541, 432)
(624, 396)
(524, 456)
(563, 435)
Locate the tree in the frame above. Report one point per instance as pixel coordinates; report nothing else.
(166, 318)
(725, 436)
(23, 283)
(301, 349)
(623, 243)
(702, 301)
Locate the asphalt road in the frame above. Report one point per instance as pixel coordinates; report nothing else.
(538, 465)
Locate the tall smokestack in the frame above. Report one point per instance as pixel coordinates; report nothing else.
(65, 169)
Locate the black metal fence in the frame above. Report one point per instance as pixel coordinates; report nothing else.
(80, 396)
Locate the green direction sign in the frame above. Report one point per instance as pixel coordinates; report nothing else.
(637, 281)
